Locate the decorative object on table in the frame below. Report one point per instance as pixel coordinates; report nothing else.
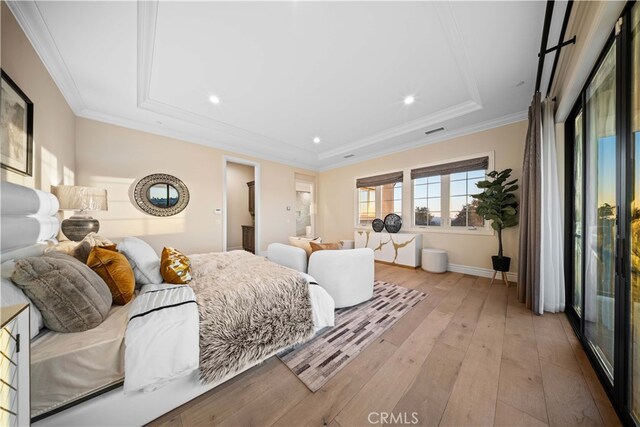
(81, 200)
(498, 203)
(16, 128)
(355, 329)
(377, 225)
(392, 223)
(161, 194)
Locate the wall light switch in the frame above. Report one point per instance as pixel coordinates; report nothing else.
(218, 211)
(288, 208)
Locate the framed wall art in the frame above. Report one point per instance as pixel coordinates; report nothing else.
(16, 128)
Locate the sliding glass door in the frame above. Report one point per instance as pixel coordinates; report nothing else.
(600, 212)
(603, 216)
(634, 229)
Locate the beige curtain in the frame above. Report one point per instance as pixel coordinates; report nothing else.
(529, 249)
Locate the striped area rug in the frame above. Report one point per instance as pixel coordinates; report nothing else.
(319, 359)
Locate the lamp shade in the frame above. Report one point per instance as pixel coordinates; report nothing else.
(73, 197)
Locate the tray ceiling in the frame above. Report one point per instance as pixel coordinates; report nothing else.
(287, 72)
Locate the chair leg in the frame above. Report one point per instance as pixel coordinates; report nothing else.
(494, 277)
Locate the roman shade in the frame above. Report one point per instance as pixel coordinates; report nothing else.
(374, 181)
(479, 163)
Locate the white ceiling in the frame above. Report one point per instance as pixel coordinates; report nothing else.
(286, 72)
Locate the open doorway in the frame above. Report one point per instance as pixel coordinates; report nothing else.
(240, 213)
(305, 207)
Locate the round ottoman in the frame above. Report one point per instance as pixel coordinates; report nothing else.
(434, 260)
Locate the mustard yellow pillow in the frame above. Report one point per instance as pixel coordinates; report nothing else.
(175, 267)
(323, 246)
(116, 272)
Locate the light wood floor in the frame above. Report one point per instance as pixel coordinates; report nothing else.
(470, 354)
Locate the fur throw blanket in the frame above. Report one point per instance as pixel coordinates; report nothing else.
(249, 309)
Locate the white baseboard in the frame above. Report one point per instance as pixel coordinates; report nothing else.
(478, 271)
(234, 248)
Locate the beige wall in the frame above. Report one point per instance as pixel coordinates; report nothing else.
(54, 121)
(114, 158)
(237, 202)
(337, 191)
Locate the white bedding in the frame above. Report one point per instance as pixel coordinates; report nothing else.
(162, 338)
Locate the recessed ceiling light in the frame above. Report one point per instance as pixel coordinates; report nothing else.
(316, 140)
(214, 99)
(409, 99)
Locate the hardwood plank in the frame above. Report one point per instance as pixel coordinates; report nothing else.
(381, 394)
(429, 393)
(474, 395)
(403, 328)
(222, 403)
(520, 384)
(449, 281)
(552, 342)
(321, 407)
(569, 401)
(482, 284)
(509, 416)
(285, 391)
(522, 389)
(459, 332)
(164, 421)
(608, 414)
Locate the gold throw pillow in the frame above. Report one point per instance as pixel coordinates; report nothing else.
(324, 246)
(175, 267)
(115, 270)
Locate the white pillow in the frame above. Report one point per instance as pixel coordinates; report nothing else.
(143, 259)
(10, 294)
(303, 242)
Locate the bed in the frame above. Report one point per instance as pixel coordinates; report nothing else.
(71, 384)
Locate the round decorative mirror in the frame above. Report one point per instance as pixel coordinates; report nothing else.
(161, 195)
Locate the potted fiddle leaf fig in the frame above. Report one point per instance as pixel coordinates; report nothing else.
(497, 203)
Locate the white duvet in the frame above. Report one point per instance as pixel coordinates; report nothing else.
(162, 337)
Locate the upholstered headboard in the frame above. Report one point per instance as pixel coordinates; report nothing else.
(28, 220)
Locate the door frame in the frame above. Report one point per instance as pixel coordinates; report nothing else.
(312, 206)
(257, 207)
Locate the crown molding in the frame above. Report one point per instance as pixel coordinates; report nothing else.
(478, 127)
(396, 131)
(32, 23)
(191, 138)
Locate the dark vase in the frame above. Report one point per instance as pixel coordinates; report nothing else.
(501, 264)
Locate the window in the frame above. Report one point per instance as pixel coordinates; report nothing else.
(367, 205)
(442, 194)
(379, 196)
(427, 209)
(391, 199)
(462, 207)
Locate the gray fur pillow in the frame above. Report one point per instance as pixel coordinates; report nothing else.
(71, 296)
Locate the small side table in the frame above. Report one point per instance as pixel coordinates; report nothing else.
(435, 260)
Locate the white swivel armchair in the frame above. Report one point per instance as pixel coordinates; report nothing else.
(347, 275)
